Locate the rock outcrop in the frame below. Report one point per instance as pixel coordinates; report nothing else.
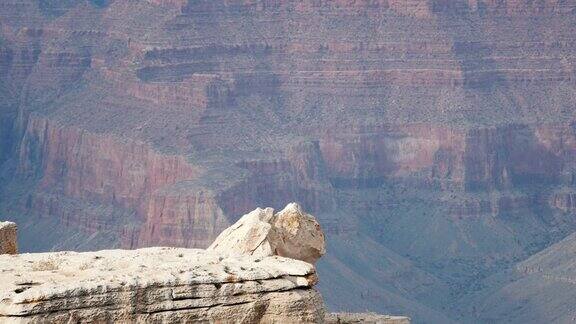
(290, 233)
(8, 238)
(159, 285)
(168, 285)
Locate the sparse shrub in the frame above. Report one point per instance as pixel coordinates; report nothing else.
(49, 264)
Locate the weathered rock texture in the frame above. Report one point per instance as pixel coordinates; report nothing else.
(290, 233)
(159, 285)
(168, 285)
(8, 238)
(433, 139)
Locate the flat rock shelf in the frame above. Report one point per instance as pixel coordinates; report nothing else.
(156, 285)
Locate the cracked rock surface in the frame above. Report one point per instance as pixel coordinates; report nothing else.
(156, 285)
(290, 233)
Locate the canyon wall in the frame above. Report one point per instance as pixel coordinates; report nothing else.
(160, 189)
(438, 135)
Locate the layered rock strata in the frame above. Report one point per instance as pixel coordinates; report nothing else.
(398, 123)
(160, 285)
(167, 285)
(8, 238)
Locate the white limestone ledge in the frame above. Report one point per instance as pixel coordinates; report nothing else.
(156, 285)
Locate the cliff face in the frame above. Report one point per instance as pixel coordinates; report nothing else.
(158, 188)
(437, 134)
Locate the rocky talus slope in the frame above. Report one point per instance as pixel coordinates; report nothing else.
(176, 285)
(434, 139)
(541, 288)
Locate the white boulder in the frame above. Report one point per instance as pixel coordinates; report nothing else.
(290, 233)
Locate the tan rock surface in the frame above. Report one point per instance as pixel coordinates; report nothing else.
(290, 233)
(157, 285)
(250, 235)
(8, 239)
(299, 234)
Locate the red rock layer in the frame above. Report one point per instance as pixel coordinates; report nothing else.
(100, 168)
(97, 167)
(395, 152)
(75, 164)
(478, 159)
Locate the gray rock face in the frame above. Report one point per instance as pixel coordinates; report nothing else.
(290, 233)
(8, 240)
(160, 285)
